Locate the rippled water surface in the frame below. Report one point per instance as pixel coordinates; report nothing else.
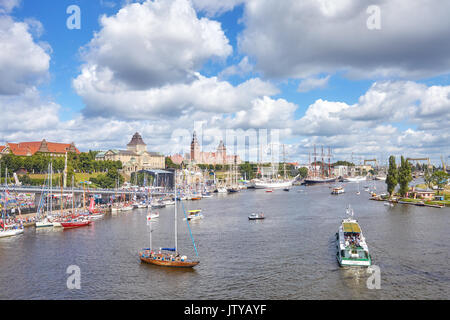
(289, 255)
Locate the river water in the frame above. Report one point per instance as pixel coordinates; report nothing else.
(289, 255)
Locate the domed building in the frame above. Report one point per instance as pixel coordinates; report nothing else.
(135, 157)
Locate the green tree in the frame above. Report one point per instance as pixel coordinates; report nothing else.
(440, 178)
(428, 178)
(303, 172)
(171, 164)
(343, 163)
(392, 176)
(246, 170)
(404, 176)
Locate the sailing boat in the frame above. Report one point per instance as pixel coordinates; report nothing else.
(77, 221)
(167, 257)
(11, 229)
(274, 182)
(95, 214)
(45, 222)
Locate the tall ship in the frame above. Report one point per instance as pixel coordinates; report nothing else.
(320, 173)
(352, 249)
(272, 181)
(272, 184)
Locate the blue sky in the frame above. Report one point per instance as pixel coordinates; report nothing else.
(66, 44)
(360, 87)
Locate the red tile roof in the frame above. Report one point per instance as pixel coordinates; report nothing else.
(30, 148)
(24, 148)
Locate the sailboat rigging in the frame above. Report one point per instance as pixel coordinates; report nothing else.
(168, 257)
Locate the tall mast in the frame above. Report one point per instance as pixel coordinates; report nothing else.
(315, 161)
(175, 191)
(284, 163)
(329, 161)
(65, 171)
(73, 198)
(309, 163)
(84, 198)
(322, 165)
(61, 207)
(51, 188)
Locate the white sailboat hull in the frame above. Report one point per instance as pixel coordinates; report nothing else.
(272, 185)
(10, 233)
(355, 179)
(128, 208)
(44, 224)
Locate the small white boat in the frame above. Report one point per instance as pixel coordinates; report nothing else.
(126, 208)
(44, 223)
(169, 202)
(11, 232)
(222, 190)
(153, 215)
(158, 205)
(56, 222)
(194, 215)
(337, 190)
(96, 216)
(256, 216)
(141, 205)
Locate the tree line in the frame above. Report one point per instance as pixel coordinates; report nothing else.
(76, 163)
(402, 176)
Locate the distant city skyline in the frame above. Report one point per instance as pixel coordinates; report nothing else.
(332, 76)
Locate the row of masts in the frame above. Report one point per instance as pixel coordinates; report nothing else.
(323, 164)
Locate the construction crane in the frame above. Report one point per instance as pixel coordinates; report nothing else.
(371, 160)
(421, 159)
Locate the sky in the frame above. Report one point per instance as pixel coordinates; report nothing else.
(368, 79)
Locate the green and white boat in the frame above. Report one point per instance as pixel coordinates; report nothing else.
(351, 245)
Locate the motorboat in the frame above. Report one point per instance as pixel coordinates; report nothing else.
(352, 249)
(256, 216)
(338, 190)
(194, 215)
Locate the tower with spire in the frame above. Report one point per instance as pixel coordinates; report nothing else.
(195, 149)
(221, 153)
